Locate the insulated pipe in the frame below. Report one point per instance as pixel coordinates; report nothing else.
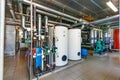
(54, 22)
(9, 3)
(54, 11)
(15, 23)
(105, 19)
(55, 16)
(39, 26)
(23, 22)
(46, 23)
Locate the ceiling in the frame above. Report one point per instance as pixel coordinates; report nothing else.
(90, 10)
(86, 9)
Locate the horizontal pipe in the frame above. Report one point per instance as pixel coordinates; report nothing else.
(15, 23)
(111, 22)
(53, 22)
(55, 16)
(114, 27)
(54, 11)
(22, 14)
(105, 19)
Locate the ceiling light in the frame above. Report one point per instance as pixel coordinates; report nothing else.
(112, 6)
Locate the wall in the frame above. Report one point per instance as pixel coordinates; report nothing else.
(10, 34)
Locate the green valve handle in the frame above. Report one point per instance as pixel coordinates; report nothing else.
(47, 51)
(27, 41)
(54, 49)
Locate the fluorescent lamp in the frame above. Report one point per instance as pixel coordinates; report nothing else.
(112, 6)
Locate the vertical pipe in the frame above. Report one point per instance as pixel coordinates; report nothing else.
(47, 42)
(31, 24)
(119, 16)
(35, 33)
(39, 26)
(46, 23)
(119, 19)
(54, 46)
(2, 21)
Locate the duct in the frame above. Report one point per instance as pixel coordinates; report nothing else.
(9, 3)
(104, 20)
(55, 16)
(53, 22)
(54, 11)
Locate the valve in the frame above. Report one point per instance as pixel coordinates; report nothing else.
(47, 50)
(54, 49)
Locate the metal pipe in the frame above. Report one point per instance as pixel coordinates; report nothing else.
(9, 3)
(55, 16)
(15, 23)
(46, 23)
(39, 26)
(109, 23)
(2, 26)
(54, 11)
(54, 22)
(105, 19)
(22, 14)
(31, 45)
(114, 27)
(23, 22)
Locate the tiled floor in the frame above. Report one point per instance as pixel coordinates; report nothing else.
(93, 68)
(15, 68)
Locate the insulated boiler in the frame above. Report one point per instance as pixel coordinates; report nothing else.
(61, 36)
(74, 42)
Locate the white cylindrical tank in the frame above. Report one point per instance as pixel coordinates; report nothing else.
(61, 35)
(74, 42)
